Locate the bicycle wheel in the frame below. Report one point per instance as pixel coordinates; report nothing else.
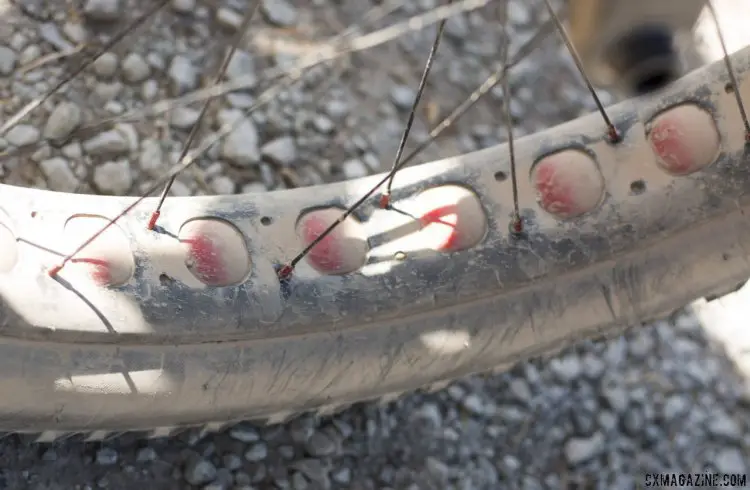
(207, 312)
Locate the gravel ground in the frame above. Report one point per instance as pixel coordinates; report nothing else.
(662, 398)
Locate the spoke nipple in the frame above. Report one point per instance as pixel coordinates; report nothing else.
(613, 135)
(385, 201)
(54, 270)
(517, 225)
(285, 272)
(152, 221)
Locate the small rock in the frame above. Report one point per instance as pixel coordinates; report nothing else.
(279, 12)
(323, 124)
(51, 34)
(183, 6)
(228, 18)
(29, 54)
(676, 407)
(299, 482)
(321, 444)
(49, 455)
(183, 117)
(102, 10)
(342, 476)
(113, 177)
(567, 368)
(580, 450)
(282, 151)
(244, 434)
(232, 462)
(403, 96)
(75, 31)
(520, 389)
(110, 142)
(182, 74)
(617, 398)
(63, 120)
(59, 175)
(633, 421)
(106, 65)
(730, 460)
(723, 426)
(257, 452)
(151, 159)
(474, 404)
(135, 69)
(336, 109)
(240, 147)
(430, 413)
(221, 184)
(311, 468)
(7, 60)
(145, 454)
(200, 472)
(241, 66)
(22, 135)
(354, 168)
(106, 456)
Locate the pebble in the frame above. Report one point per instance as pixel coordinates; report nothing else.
(111, 142)
(279, 12)
(354, 169)
(106, 65)
(241, 66)
(731, 460)
(113, 177)
(257, 452)
(240, 147)
(51, 34)
(63, 120)
(228, 18)
(183, 6)
(244, 434)
(59, 175)
(7, 60)
(321, 444)
(182, 74)
(145, 455)
(103, 10)
(580, 450)
(723, 426)
(403, 96)
(106, 456)
(566, 368)
(281, 151)
(222, 185)
(200, 472)
(183, 117)
(134, 68)
(22, 135)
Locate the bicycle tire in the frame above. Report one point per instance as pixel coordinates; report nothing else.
(159, 352)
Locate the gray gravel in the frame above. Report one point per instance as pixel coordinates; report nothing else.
(662, 398)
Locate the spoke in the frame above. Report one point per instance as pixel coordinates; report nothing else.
(612, 133)
(516, 223)
(385, 198)
(285, 271)
(34, 104)
(249, 14)
(730, 71)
